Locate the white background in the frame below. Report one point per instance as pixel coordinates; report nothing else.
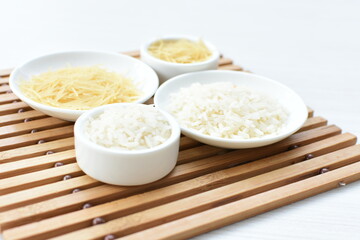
(311, 46)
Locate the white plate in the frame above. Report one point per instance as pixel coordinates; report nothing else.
(287, 98)
(141, 74)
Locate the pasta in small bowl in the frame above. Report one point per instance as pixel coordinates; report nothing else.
(170, 56)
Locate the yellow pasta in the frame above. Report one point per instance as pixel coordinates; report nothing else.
(80, 88)
(180, 51)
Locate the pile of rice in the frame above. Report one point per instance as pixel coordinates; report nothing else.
(225, 110)
(129, 127)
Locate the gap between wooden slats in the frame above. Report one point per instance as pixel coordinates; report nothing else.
(206, 221)
(203, 201)
(183, 172)
(80, 219)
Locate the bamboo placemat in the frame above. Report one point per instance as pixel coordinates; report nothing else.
(209, 188)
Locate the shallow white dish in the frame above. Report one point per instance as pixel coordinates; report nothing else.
(285, 96)
(166, 70)
(141, 74)
(125, 167)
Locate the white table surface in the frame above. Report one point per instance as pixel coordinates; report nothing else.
(311, 46)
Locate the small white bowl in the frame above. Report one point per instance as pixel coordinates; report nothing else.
(285, 96)
(141, 74)
(167, 70)
(125, 167)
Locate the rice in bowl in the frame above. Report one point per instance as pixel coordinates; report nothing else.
(130, 127)
(226, 110)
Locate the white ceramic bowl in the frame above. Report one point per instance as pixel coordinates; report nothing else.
(166, 70)
(141, 74)
(125, 167)
(287, 98)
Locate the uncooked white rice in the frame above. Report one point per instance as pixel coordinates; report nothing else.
(225, 110)
(129, 127)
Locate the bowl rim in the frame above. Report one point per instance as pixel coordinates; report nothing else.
(214, 56)
(80, 122)
(228, 140)
(16, 90)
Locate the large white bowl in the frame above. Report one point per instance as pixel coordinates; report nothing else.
(287, 98)
(125, 167)
(166, 70)
(140, 73)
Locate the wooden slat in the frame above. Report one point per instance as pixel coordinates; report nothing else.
(12, 107)
(36, 150)
(35, 164)
(119, 208)
(231, 67)
(313, 122)
(26, 127)
(135, 53)
(4, 81)
(187, 143)
(196, 153)
(24, 181)
(225, 61)
(207, 200)
(32, 139)
(48, 191)
(20, 117)
(4, 88)
(310, 112)
(5, 72)
(7, 98)
(181, 173)
(248, 207)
